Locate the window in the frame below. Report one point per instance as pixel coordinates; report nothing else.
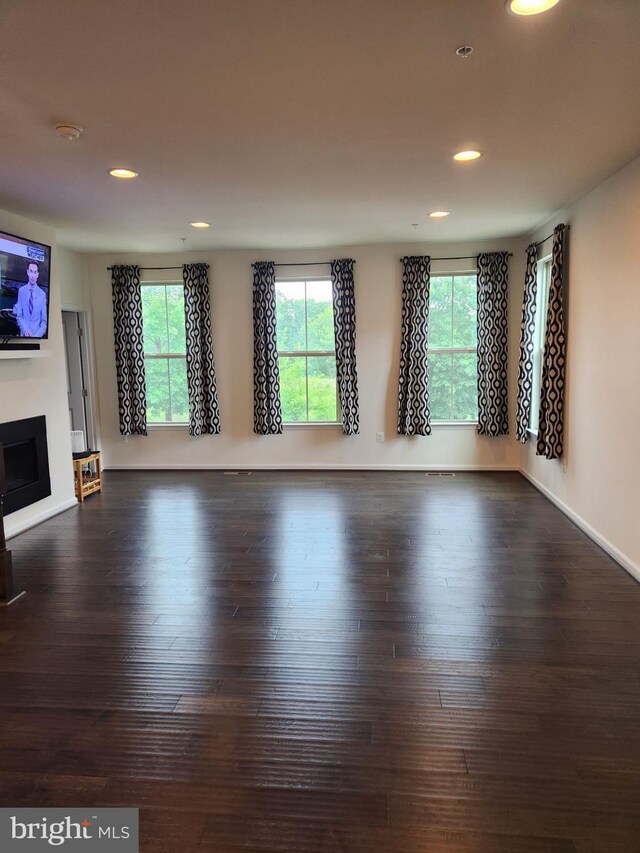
(453, 348)
(306, 352)
(542, 301)
(165, 360)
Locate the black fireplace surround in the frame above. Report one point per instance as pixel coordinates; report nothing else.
(26, 462)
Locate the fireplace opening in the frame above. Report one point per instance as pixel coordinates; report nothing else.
(21, 464)
(23, 445)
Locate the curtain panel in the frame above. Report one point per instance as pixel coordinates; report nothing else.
(493, 325)
(204, 414)
(527, 332)
(344, 325)
(129, 349)
(414, 416)
(551, 422)
(267, 409)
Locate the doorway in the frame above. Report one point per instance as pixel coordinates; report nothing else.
(78, 386)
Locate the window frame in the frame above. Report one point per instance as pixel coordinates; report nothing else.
(540, 330)
(164, 425)
(307, 354)
(457, 424)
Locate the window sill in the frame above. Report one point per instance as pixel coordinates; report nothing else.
(455, 424)
(313, 425)
(176, 426)
(533, 432)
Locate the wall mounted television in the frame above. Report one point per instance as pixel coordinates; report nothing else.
(25, 271)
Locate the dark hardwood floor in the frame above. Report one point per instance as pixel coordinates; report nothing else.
(315, 662)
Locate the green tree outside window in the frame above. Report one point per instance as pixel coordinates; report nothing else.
(165, 353)
(306, 347)
(453, 342)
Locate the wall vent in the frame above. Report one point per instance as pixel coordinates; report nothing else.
(440, 474)
(237, 473)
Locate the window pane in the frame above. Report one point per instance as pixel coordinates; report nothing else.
(154, 319)
(440, 305)
(293, 388)
(175, 316)
(158, 400)
(542, 301)
(465, 387)
(465, 311)
(440, 386)
(320, 334)
(322, 388)
(290, 316)
(535, 390)
(305, 324)
(179, 392)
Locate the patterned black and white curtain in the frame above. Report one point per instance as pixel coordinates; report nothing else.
(344, 324)
(204, 414)
(527, 332)
(551, 421)
(414, 416)
(129, 348)
(267, 409)
(493, 326)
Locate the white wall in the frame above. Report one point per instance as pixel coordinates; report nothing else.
(31, 387)
(601, 483)
(73, 278)
(378, 282)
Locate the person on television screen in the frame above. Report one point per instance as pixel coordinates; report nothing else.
(31, 307)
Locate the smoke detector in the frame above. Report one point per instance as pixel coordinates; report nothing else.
(69, 131)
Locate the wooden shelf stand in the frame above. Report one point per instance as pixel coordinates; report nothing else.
(87, 485)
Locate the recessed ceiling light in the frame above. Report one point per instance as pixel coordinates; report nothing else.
(123, 173)
(439, 214)
(200, 225)
(530, 7)
(464, 156)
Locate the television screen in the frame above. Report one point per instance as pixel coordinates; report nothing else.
(24, 288)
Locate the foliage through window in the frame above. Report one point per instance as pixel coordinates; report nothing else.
(165, 353)
(453, 348)
(306, 351)
(542, 301)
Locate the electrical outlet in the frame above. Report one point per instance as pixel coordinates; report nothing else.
(380, 437)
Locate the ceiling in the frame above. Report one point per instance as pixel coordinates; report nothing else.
(290, 123)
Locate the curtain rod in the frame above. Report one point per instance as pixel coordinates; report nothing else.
(461, 258)
(304, 264)
(149, 269)
(307, 264)
(540, 242)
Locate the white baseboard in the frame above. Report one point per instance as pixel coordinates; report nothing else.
(621, 558)
(27, 524)
(229, 466)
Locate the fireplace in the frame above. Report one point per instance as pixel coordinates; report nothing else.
(26, 462)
